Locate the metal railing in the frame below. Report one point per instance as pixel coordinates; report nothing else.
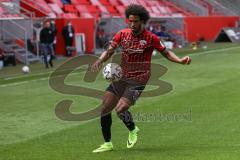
(16, 9)
(10, 35)
(226, 7)
(31, 16)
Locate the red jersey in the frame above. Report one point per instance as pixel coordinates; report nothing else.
(136, 53)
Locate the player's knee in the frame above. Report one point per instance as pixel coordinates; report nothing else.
(104, 103)
(122, 106)
(106, 108)
(108, 103)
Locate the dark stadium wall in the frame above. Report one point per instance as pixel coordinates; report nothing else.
(80, 25)
(206, 28)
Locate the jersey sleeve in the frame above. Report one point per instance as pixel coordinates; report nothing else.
(116, 40)
(158, 45)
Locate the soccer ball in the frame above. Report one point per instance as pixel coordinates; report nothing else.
(112, 72)
(25, 69)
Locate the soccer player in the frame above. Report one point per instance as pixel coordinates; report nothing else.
(137, 45)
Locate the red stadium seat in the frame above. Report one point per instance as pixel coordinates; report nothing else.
(104, 2)
(86, 15)
(152, 3)
(114, 2)
(143, 2)
(55, 8)
(95, 2)
(121, 10)
(84, 2)
(69, 8)
(112, 10)
(69, 15)
(82, 8)
(87, 12)
(103, 9)
(125, 2)
(155, 9)
(58, 2)
(93, 9)
(40, 5)
(1, 10)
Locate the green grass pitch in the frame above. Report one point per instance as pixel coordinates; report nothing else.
(207, 91)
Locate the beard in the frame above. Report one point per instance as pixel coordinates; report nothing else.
(137, 31)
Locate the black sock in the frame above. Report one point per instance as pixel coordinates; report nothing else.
(106, 122)
(127, 119)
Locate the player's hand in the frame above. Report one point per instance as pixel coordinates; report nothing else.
(186, 60)
(96, 65)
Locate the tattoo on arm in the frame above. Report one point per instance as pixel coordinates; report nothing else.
(107, 54)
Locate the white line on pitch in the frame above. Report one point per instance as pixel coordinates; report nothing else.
(31, 75)
(23, 76)
(14, 84)
(28, 81)
(211, 51)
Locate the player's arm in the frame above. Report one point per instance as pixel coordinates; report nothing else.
(107, 53)
(172, 57)
(103, 58)
(169, 54)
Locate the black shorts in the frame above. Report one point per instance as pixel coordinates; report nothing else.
(130, 90)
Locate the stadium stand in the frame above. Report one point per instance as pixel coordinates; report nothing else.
(182, 11)
(101, 8)
(56, 8)
(14, 22)
(69, 8)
